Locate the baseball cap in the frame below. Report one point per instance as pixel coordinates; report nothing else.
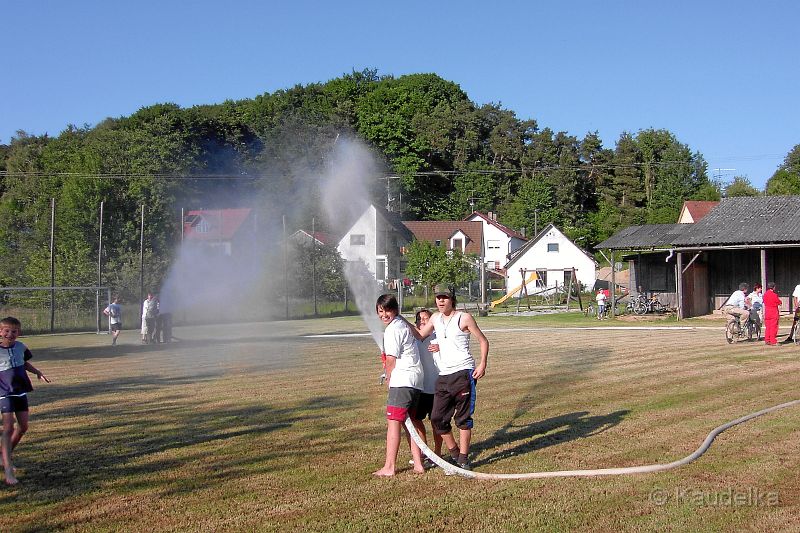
(442, 290)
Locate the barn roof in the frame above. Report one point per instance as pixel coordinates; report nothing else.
(648, 236)
(740, 221)
(747, 220)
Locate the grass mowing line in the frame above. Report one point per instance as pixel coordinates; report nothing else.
(643, 469)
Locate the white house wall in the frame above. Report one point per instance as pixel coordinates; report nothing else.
(537, 257)
(492, 234)
(366, 225)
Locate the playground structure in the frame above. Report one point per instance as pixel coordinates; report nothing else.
(552, 294)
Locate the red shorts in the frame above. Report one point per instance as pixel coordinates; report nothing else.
(401, 403)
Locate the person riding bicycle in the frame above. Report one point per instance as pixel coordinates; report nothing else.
(736, 305)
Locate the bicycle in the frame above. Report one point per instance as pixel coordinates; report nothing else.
(642, 305)
(591, 311)
(735, 332)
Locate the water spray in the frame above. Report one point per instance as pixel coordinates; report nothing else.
(643, 469)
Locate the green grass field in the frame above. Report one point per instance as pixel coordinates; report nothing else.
(256, 428)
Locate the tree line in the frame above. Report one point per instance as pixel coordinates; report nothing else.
(452, 156)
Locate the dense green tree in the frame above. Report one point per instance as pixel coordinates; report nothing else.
(740, 186)
(318, 264)
(783, 182)
(786, 180)
(268, 152)
(428, 265)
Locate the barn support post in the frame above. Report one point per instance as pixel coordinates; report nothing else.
(764, 273)
(679, 283)
(613, 285)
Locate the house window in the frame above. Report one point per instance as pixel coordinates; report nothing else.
(380, 269)
(567, 277)
(437, 243)
(552, 247)
(203, 227)
(358, 240)
(493, 245)
(458, 245)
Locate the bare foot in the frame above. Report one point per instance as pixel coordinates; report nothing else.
(383, 472)
(10, 479)
(419, 470)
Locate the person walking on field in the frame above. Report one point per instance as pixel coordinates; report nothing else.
(114, 314)
(772, 305)
(455, 387)
(14, 388)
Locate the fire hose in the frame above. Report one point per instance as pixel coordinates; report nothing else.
(643, 469)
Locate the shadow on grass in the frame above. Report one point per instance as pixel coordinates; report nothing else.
(162, 438)
(569, 367)
(550, 432)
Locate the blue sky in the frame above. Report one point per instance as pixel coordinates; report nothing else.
(721, 75)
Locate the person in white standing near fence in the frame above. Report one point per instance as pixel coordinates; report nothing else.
(149, 314)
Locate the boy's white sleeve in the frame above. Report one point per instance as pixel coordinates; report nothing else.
(391, 341)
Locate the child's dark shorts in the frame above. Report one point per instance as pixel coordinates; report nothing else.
(424, 406)
(454, 398)
(402, 402)
(13, 404)
(116, 327)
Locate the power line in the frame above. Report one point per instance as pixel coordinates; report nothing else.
(420, 174)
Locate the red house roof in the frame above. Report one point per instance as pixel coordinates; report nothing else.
(696, 209)
(505, 229)
(319, 236)
(214, 224)
(443, 230)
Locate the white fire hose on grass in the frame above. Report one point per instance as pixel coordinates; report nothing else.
(644, 469)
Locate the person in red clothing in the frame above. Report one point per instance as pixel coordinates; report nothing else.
(771, 315)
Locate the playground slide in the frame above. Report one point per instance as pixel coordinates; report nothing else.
(533, 277)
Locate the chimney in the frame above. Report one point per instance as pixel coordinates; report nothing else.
(489, 215)
(522, 231)
(494, 216)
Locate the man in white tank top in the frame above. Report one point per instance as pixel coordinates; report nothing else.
(455, 388)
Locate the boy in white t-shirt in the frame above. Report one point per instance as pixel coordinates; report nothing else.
(601, 304)
(404, 376)
(427, 348)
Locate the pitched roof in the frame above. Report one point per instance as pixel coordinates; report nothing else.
(394, 220)
(505, 229)
(516, 254)
(747, 220)
(648, 236)
(443, 230)
(218, 223)
(697, 209)
(319, 236)
(740, 221)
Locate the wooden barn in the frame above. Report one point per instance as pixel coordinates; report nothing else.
(695, 267)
